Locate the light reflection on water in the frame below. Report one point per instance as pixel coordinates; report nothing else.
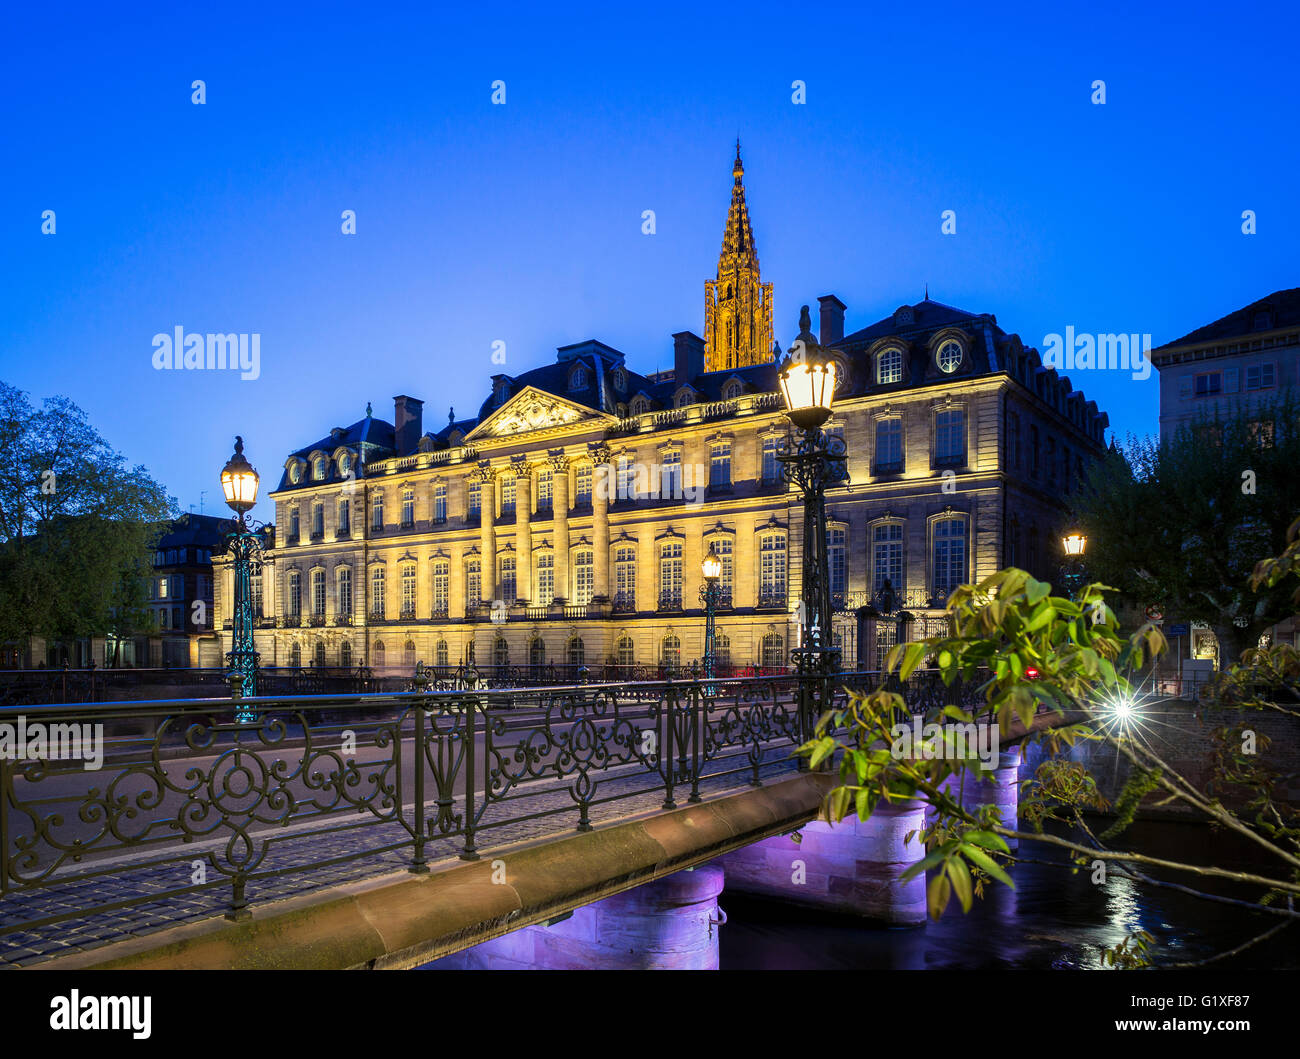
(1054, 919)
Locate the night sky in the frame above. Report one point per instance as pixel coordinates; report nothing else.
(522, 223)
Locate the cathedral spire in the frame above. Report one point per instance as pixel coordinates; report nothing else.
(737, 305)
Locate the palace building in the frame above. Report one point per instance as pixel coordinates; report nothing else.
(565, 521)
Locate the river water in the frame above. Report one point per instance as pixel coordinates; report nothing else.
(1054, 919)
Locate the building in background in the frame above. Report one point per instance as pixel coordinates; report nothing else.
(565, 521)
(181, 594)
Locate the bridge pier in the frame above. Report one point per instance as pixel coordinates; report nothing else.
(669, 924)
(851, 867)
(1002, 790)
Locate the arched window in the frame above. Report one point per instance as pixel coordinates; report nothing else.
(440, 653)
(318, 659)
(949, 357)
(578, 378)
(640, 406)
(889, 367)
(408, 654)
(733, 391)
(722, 651)
(584, 576)
(536, 652)
(576, 652)
(295, 656)
(321, 468)
(670, 653)
(345, 654)
(626, 651)
(500, 652)
(685, 398)
(377, 655)
(773, 651)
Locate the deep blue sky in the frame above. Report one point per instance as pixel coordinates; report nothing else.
(522, 222)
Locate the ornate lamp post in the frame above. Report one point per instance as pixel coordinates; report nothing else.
(712, 569)
(1073, 572)
(239, 485)
(808, 379)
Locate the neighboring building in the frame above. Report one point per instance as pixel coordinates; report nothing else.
(566, 520)
(180, 592)
(1216, 371)
(1248, 354)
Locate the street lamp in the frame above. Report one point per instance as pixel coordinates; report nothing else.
(239, 486)
(809, 375)
(1073, 573)
(711, 567)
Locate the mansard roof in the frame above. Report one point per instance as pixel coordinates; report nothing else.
(1281, 309)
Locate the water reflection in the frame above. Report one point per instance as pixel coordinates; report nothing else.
(1054, 919)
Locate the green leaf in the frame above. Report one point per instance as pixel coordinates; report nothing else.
(961, 881)
(864, 804)
(838, 803)
(1036, 591)
(927, 862)
(987, 839)
(937, 895)
(981, 859)
(825, 746)
(1041, 618)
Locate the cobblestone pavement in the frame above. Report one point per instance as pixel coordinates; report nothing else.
(297, 854)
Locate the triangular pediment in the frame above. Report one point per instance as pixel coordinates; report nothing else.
(533, 411)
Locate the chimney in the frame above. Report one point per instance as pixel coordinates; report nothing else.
(688, 356)
(406, 424)
(832, 319)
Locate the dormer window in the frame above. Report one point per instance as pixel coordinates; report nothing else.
(1263, 320)
(889, 367)
(578, 380)
(949, 357)
(345, 464)
(903, 315)
(320, 468)
(684, 398)
(295, 472)
(503, 391)
(640, 406)
(619, 378)
(732, 391)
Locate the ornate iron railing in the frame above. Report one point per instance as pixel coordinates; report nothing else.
(187, 799)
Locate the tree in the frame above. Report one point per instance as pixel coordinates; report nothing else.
(1056, 671)
(1179, 522)
(76, 524)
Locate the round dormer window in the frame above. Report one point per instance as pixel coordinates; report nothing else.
(949, 357)
(295, 473)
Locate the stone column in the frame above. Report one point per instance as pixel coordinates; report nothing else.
(560, 503)
(669, 924)
(601, 486)
(523, 529)
(487, 533)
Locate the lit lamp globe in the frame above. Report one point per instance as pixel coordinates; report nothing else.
(239, 480)
(712, 566)
(808, 380)
(1074, 544)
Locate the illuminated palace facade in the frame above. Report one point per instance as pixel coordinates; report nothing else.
(566, 521)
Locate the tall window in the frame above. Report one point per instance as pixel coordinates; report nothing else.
(584, 576)
(626, 651)
(1033, 450)
(318, 654)
(1013, 441)
(255, 589)
(773, 651)
(536, 651)
(582, 497)
(295, 594)
(507, 495)
(440, 653)
(623, 479)
(318, 593)
(474, 495)
(317, 521)
(1065, 468)
(545, 578)
(670, 575)
(408, 654)
(670, 476)
(295, 656)
(887, 556)
(408, 590)
(720, 467)
(377, 592)
(889, 445)
(950, 437)
(889, 367)
(837, 470)
(473, 583)
(378, 654)
(500, 652)
(440, 502)
(724, 548)
(722, 651)
(343, 595)
(1259, 377)
(771, 466)
(293, 523)
(507, 582)
(345, 654)
(576, 652)
(345, 513)
(377, 511)
(441, 587)
(408, 507)
(771, 569)
(835, 551)
(670, 652)
(545, 483)
(949, 555)
(625, 577)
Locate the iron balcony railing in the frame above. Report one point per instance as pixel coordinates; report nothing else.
(305, 784)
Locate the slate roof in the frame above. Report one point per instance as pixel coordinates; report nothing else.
(1284, 311)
